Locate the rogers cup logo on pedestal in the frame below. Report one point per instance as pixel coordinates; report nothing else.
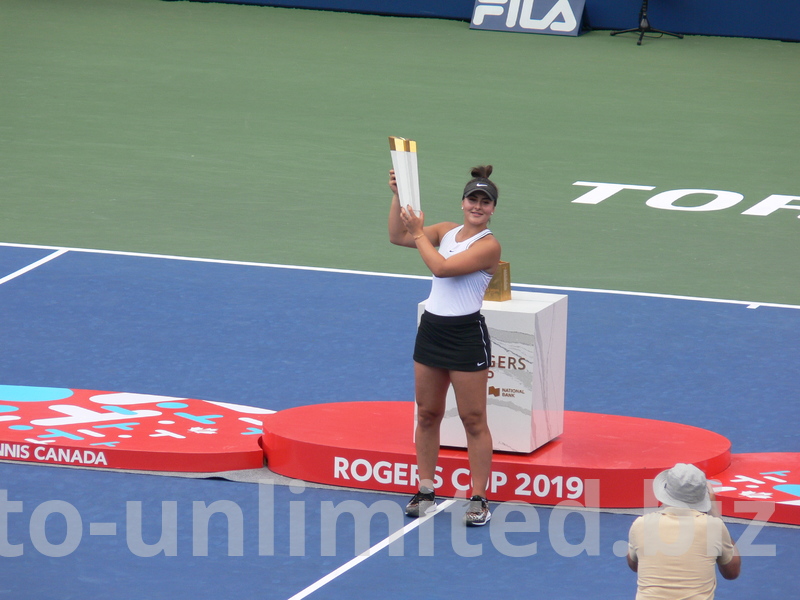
(559, 17)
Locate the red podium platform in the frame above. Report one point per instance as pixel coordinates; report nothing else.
(110, 430)
(600, 460)
(761, 486)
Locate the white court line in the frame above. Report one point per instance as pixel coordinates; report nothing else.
(32, 266)
(748, 303)
(367, 553)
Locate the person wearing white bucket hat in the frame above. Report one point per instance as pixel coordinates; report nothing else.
(675, 550)
(683, 486)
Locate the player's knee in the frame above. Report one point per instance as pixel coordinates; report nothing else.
(474, 423)
(428, 419)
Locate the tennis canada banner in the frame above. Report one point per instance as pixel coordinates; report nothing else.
(558, 17)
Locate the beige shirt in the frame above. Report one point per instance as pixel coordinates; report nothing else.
(677, 551)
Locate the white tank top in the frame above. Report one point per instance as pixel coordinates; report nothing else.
(463, 294)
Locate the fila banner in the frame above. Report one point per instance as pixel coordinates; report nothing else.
(558, 17)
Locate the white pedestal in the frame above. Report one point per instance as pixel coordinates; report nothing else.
(525, 406)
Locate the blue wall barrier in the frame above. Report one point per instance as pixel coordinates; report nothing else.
(442, 9)
(768, 19)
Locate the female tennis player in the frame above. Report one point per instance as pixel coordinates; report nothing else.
(452, 344)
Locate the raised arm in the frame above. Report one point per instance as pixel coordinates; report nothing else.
(399, 233)
(483, 255)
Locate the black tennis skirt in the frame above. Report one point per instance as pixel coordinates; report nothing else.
(453, 343)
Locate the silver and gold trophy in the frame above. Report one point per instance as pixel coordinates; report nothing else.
(406, 171)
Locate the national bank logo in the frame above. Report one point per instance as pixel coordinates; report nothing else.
(559, 17)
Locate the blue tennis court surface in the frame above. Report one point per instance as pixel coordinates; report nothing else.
(275, 338)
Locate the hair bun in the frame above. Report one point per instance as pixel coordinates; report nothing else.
(483, 171)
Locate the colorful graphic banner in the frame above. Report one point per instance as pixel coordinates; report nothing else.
(110, 430)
